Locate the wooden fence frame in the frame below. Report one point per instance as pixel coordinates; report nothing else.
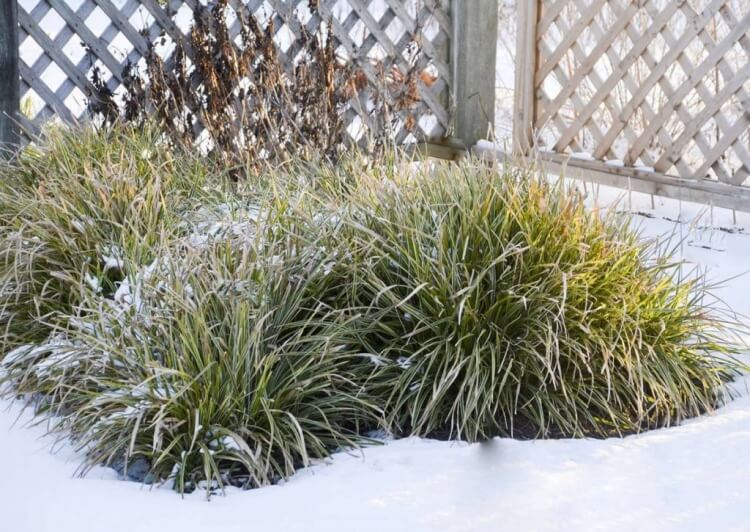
(9, 75)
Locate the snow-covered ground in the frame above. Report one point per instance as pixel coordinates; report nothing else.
(691, 477)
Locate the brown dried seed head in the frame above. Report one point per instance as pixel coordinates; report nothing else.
(427, 78)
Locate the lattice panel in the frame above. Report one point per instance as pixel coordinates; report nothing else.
(657, 85)
(62, 40)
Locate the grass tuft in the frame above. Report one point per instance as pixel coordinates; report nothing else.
(73, 205)
(503, 306)
(218, 365)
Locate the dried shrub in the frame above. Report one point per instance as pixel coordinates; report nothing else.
(245, 100)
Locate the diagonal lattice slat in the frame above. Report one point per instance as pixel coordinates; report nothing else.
(659, 86)
(61, 41)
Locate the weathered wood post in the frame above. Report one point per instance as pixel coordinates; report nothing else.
(9, 78)
(474, 62)
(524, 105)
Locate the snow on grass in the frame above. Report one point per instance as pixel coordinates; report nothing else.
(221, 222)
(691, 477)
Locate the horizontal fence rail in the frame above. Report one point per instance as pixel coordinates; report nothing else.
(62, 41)
(651, 91)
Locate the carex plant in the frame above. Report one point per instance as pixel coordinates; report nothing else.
(73, 204)
(206, 330)
(501, 305)
(219, 363)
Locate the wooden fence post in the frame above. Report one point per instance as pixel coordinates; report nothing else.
(9, 77)
(473, 59)
(524, 106)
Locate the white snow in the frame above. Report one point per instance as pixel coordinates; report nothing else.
(112, 258)
(93, 283)
(691, 477)
(222, 221)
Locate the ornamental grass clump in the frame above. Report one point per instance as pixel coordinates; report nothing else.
(501, 305)
(73, 205)
(187, 327)
(219, 364)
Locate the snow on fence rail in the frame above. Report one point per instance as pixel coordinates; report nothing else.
(650, 94)
(60, 42)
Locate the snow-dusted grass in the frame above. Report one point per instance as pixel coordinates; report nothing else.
(505, 307)
(176, 340)
(687, 478)
(249, 337)
(228, 371)
(72, 207)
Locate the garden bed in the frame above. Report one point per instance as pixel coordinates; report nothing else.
(690, 477)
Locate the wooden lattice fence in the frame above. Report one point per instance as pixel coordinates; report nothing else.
(62, 40)
(651, 94)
